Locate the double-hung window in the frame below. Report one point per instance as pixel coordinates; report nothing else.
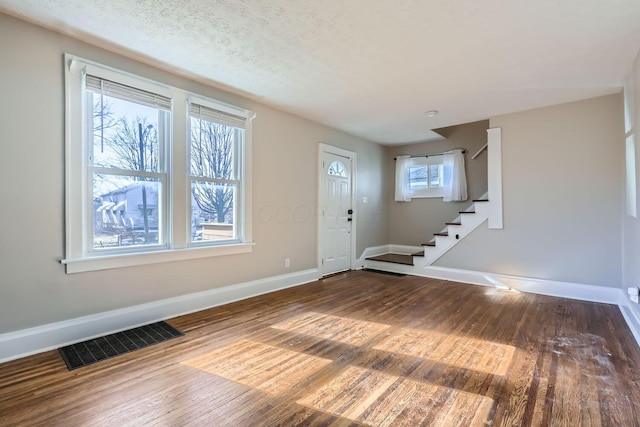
(127, 134)
(153, 173)
(426, 176)
(216, 142)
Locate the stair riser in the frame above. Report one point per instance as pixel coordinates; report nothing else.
(387, 266)
(481, 210)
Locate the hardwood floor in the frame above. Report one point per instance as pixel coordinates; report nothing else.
(359, 348)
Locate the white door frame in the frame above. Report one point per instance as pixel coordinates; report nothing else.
(322, 148)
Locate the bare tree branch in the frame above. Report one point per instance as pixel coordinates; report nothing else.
(212, 157)
(103, 116)
(126, 142)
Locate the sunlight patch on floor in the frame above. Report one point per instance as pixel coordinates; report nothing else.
(341, 329)
(496, 294)
(503, 287)
(462, 352)
(379, 399)
(261, 366)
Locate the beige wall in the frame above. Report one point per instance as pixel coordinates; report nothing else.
(34, 288)
(631, 225)
(415, 222)
(562, 180)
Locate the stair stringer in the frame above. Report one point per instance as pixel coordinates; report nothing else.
(468, 223)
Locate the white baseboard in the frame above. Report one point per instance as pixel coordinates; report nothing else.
(523, 284)
(631, 315)
(553, 288)
(14, 345)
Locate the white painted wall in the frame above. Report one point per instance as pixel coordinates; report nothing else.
(34, 289)
(562, 169)
(630, 224)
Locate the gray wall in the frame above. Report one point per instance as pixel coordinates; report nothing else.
(34, 288)
(413, 223)
(562, 181)
(631, 225)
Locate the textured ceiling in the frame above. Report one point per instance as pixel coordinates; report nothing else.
(372, 67)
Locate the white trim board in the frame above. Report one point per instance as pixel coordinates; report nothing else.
(494, 177)
(577, 291)
(14, 345)
(630, 314)
(554, 288)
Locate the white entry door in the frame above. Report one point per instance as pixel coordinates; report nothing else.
(335, 213)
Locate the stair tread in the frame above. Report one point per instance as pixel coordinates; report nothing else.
(441, 234)
(429, 244)
(421, 253)
(393, 258)
(453, 223)
(467, 212)
(480, 200)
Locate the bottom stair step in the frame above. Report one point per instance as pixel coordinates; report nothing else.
(393, 258)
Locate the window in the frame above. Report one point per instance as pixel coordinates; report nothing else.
(126, 140)
(216, 142)
(337, 168)
(426, 176)
(153, 173)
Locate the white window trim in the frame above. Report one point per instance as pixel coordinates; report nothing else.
(109, 261)
(429, 193)
(77, 256)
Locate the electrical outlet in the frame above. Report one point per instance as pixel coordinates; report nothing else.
(287, 262)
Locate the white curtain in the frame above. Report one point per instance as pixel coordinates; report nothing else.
(403, 192)
(455, 178)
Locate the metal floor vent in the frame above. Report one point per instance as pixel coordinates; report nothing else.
(92, 351)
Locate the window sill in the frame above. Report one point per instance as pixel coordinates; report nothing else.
(426, 196)
(80, 265)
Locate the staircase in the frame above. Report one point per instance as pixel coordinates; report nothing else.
(453, 232)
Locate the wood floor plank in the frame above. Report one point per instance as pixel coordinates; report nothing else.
(355, 349)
